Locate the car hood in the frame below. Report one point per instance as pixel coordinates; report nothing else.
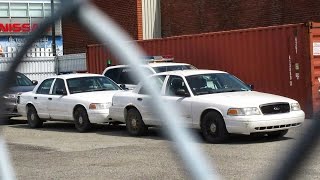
(243, 98)
(96, 96)
(17, 89)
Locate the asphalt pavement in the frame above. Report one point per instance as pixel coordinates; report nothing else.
(58, 151)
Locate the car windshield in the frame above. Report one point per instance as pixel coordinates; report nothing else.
(20, 79)
(215, 83)
(173, 68)
(89, 84)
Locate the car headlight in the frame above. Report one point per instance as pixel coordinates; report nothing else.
(10, 96)
(243, 111)
(99, 105)
(295, 107)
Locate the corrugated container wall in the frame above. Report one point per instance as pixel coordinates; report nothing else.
(275, 59)
(314, 44)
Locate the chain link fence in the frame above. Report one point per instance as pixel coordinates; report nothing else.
(108, 33)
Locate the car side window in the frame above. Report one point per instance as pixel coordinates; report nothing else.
(113, 74)
(174, 84)
(58, 85)
(158, 81)
(126, 76)
(45, 86)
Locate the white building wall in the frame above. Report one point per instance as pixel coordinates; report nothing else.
(33, 68)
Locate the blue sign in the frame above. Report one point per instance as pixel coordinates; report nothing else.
(9, 46)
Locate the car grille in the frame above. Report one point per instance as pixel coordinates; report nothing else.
(277, 126)
(275, 108)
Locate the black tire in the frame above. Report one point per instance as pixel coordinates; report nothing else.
(277, 134)
(33, 119)
(81, 120)
(213, 128)
(134, 123)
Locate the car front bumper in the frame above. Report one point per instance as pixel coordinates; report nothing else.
(264, 123)
(98, 116)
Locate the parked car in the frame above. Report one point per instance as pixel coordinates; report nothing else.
(121, 74)
(81, 98)
(21, 84)
(215, 102)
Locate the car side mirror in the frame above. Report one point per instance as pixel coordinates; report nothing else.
(34, 82)
(123, 86)
(61, 92)
(182, 93)
(251, 86)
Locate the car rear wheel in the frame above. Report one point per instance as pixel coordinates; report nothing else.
(213, 128)
(33, 119)
(134, 123)
(277, 134)
(81, 120)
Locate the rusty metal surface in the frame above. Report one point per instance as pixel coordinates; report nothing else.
(314, 52)
(275, 59)
(97, 58)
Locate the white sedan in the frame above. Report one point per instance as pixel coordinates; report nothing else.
(82, 98)
(215, 102)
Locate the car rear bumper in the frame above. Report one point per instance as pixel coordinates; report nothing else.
(264, 123)
(10, 109)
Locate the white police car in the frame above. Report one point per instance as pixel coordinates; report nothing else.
(121, 74)
(215, 102)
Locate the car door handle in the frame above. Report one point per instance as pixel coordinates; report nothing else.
(50, 99)
(139, 99)
(35, 98)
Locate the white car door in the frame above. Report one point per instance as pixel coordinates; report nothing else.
(58, 102)
(143, 101)
(40, 98)
(178, 95)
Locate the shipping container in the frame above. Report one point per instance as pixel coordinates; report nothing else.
(283, 60)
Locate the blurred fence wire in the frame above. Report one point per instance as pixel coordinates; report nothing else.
(111, 35)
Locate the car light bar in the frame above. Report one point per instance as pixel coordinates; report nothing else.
(153, 59)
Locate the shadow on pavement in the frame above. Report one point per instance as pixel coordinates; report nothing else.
(153, 133)
(120, 130)
(102, 129)
(247, 139)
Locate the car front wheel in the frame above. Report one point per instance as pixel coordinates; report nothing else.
(33, 119)
(81, 120)
(213, 128)
(134, 123)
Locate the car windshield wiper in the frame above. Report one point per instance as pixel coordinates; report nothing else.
(222, 91)
(101, 89)
(233, 90)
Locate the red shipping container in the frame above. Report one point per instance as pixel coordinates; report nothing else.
(283, 60)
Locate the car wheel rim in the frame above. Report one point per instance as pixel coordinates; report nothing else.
(213, 128)
(134, 123)
(80, 120)
(32, 116)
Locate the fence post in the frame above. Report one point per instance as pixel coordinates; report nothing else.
(57, 64)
